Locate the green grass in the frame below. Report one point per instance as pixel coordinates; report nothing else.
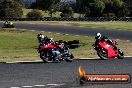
(120, 25)
(17, 45)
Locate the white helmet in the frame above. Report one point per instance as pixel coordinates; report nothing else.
(98, 36)
(42, 36)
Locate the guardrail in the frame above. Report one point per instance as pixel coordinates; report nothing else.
(70, 19)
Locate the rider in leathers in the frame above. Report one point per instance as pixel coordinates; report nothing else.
(98, 38)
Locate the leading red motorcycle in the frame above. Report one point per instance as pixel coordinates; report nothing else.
(54, 52)
(106, 50)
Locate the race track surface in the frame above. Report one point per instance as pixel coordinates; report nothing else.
(117, 34)
(64, 74)
(61, 75)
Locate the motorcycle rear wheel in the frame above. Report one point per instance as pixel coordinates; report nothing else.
(46, 57)
(102, 53)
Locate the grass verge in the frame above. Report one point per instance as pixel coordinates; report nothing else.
(20, 45)
(120, 25)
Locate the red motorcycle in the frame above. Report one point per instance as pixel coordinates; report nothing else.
(105, 50)
(54, 51)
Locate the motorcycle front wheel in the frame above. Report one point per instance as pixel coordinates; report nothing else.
(69, 58)
(120, 54)
(12, 26)
(102, 53)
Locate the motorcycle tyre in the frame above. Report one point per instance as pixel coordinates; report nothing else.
(69, 58)
(120, 54)
(99, 54)
(44, 58)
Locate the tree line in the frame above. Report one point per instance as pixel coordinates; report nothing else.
(86, 8)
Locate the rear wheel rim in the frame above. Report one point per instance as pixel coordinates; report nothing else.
(47, 57)
(103, 53)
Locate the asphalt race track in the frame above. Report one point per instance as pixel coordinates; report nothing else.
(64, 74)
(61, 75)
(117, 34)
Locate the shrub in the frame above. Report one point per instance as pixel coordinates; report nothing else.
(67, 12)
(35, 14)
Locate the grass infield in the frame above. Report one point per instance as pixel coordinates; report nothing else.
(20, 45)
(120, 25)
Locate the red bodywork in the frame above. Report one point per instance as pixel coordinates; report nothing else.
(110, 50)
(48, 46)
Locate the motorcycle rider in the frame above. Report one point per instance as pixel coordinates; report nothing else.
(99, 37)
(5, 23)
(40, 37)
(46, 40)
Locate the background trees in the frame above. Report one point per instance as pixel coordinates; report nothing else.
(11, 8)
(35, 14)
(97, 8)
(88, 8)
(45, 5)
(67, 12)
(85, 8)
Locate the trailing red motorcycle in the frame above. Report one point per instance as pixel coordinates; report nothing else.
(55, 51)
(106, 50)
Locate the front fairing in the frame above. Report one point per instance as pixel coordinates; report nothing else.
(111, 52)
